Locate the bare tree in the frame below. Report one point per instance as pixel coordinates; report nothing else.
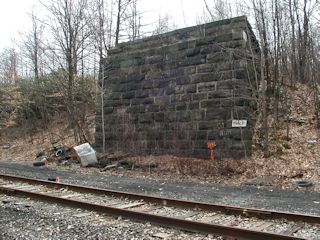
(121, 8)
(132, 17)
(219, 10)
(101, 23)
(9, 66)
(68, 26)
(265, 77)
(164, 24)
(33, 46)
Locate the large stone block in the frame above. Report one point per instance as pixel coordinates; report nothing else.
(206, 87)
(218, 57)
(200, 96)
(119, 88)
(197, 115)
(152, 108)
(158, 117)
(191, 88)
(154, 59)
(205, 77)
(170, 94)
(136, 109)
(147, 85)
(146, 101)
(170, 116)
(205, 68)
(193, 52)
(195, 105)
(181, 106)
(183, 116)
(182, 80)
(128, 95)
(145, 118)
(212, 103)
(211, 125)
(186, 97)
(141, 93)
(233, 84)
(221, 94)
(115, 96)
(131, 86)
(219, 114)
(190, 61)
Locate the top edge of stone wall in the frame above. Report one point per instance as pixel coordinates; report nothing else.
(185, 34)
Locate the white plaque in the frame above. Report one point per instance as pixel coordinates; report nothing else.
(239, 123)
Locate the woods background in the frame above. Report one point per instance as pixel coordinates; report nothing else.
(55, 66)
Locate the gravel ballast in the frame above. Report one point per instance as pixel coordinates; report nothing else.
(28, 219)
(303, 201)
(22, 219)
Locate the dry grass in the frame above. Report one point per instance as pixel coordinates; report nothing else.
(25, 145)
(189, 167)
(296, 156)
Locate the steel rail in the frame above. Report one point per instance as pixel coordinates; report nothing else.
(247, 212)
(182, 224)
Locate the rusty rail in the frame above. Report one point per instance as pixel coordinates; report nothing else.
(183, 224)
(248, 212)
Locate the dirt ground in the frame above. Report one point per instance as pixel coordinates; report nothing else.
(298, 157)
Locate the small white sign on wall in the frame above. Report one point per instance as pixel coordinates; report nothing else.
(239, 123)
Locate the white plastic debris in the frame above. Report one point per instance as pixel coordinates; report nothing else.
(87, 155)
(312, 141)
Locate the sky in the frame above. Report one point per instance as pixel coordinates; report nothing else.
(14, 18)
(183, 12)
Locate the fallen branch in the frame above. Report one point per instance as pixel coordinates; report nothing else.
(108, 167)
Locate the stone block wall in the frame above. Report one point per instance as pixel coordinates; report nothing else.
(174, 92)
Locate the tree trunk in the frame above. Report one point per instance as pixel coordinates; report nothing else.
(118, 23)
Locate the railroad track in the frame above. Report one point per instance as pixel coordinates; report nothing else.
(222, 220)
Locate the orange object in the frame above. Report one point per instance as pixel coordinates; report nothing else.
(211, 146)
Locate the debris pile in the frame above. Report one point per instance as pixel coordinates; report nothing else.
(59, 154)
(86, 156)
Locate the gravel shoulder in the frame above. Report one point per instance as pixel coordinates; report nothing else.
(23, 219)
(303, 201)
